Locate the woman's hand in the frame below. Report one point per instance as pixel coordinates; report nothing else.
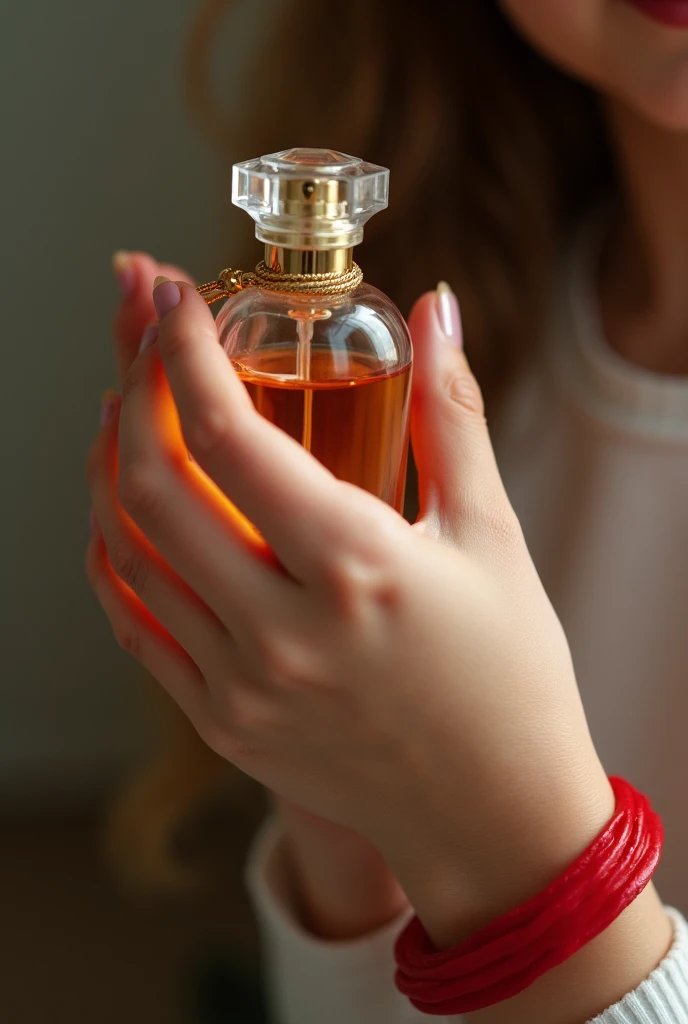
(343, 886)
(412, 683)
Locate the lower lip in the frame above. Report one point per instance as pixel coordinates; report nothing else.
(673, 13)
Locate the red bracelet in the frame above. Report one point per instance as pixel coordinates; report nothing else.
(509, 954)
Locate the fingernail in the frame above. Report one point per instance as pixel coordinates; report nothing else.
(166, 296)
(93, 527)
(149, 337)
(447, 307)
(108, 404)
(125, 273)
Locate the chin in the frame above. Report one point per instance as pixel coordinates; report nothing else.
(615, 49)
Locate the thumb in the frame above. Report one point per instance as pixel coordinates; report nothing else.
(457, 471)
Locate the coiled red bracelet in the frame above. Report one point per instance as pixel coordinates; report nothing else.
(509, 954)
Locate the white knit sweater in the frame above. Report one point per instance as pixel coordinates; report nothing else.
(594, 455)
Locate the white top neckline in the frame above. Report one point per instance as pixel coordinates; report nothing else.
(636, 399)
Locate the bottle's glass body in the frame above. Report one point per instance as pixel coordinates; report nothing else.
(334, 373)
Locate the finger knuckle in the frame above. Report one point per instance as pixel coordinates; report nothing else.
(129, 565)
(173, 342)
(354, 580)
(340, 577)
(464, 390)
(283, 661)
(352, 584)
(208, 432)
(130, 640)
(138, 490)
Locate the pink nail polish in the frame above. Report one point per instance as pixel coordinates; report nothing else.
(166, 296)
(125, 273)
(447, 307)
(149, 337)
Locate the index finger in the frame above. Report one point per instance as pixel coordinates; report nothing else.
(297, 504)
(136, 272)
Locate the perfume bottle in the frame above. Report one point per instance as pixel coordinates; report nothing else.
(323, 356)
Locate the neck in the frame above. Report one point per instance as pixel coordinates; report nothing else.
(644, 275)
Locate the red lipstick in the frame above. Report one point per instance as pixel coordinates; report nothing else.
(672, 13)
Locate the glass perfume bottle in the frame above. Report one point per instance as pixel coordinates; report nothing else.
(323, 356)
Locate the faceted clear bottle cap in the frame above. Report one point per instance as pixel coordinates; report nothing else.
(310, 198)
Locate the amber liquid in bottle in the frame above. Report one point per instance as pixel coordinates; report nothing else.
(350, 425)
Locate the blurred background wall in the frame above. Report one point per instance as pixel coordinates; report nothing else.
(99, 153)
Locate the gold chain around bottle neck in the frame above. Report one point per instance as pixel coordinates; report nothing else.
(230, 281)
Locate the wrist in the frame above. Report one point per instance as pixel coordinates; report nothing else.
(600, 974)
(587, 937)
(459, 878)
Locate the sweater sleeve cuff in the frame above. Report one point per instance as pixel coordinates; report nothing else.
(663, 997)
(310, 979)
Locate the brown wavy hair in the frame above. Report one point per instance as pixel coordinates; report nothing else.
(493, 152)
